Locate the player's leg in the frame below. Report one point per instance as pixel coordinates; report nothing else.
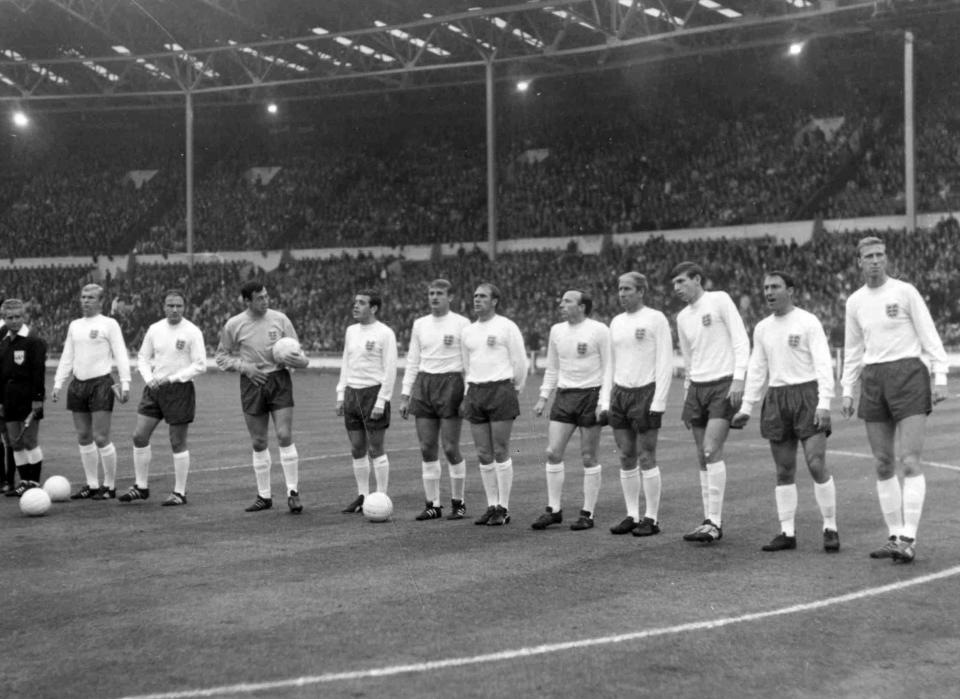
(824, 488)
(784, 454)
(428, 435)
(181, 464)
(258, 427)
(289, 457)
(500, 432)
(652, 482)
(13, 428)
(558, 435)
(142, 457)
(626, 441)
(881, 436)
(592, 470)
(30, 442)
(100, 425)
(483, 442)
(911, 432)
(450, 429)
(376, 439)
(89, 458)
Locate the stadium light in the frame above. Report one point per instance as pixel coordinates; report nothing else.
(20, 119)
(272, 108)
(523, 85)
(796, 48)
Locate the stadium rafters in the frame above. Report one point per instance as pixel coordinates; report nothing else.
(92, 54)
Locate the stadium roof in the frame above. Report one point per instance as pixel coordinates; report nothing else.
(86, 54)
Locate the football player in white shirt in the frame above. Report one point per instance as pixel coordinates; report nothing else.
(368, 372)
(642, 373)
(716, 350)
(888, 334)
(495, 369)
(172, 354)
(432, 392)
(578, 367)
(93, 345)
(791, 356)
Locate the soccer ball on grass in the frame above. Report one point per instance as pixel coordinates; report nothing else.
(34, 502)
(58, 488)
(377, 507)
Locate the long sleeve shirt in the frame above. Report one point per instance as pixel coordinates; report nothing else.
(888, 323)
(92, 347)
(23, 359)
(713, 339)
(578, 356)
(369, 359)
(173, 352)
(643, 353)
(434, 347)
(493, 350)
(788, 350)
(250, 338)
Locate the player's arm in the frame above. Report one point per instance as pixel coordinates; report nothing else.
(758, 371)
(664, 365)
(740, 341)
(389, 372)
(853, 349)
(342, 382)
(411, 371)
(122, 357)
(550, 373)
(38, 371)
(930, 342)
(606, 358)
(65, 366)
(144, 357)
(518, 356)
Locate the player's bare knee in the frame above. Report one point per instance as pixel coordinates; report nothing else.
(910, 463)
(259, 443)
(589, 460)
(140, 441)
(453, 455)
(552, 455)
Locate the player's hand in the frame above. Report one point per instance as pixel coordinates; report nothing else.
(340, 408)
(539, 406)
(254, 373)
(939, 394)
(739, 421)
(124, 395)
(735, 395)
(846, 408)
(822, 420)
(603, 418)
(55, 394)
(377, 412)
(404, 406)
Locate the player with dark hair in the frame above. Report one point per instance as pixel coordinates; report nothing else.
(792, 357)
(22, 378)
(432, 392)
(266, 389)
(495, 369)
(94, 343)
(578, 368)
(888, 334)
(716, 350)
(171, 355)
(368, 373)
(642, 373)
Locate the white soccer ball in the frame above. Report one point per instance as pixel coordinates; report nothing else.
(58, 488)
(377, 507)
(285, 348)
(34, 502)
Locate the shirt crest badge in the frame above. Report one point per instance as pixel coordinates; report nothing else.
(181, 343)
(491, 340)
(793, 340)
(581, 348)
(640, 333)
(706, 320)
(19, 356)
(273, 335)
(94, 333)
(370, 345)
(892, 310)
(448, 340)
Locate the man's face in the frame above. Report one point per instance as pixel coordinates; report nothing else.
(13, 319)
(484, 304)
(873, 261)
(570, 308)
(173, 306)
(630, 296)
(778, 297)
(91, 302)
(259, 302)
(362, 310)
(686, 288)
(439, 300)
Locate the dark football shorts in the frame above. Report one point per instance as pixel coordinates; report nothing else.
(630, 409)
(495, 401)
(707, 401)
(437, 396)
(175, 403)
(91, 396)
(358, 404)
(275, 394)
(788, 412)
(894, 390)
(576, 406)
(18, 402)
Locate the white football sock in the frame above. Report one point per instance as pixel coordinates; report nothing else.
(181, 466)
(89, 459)
(891, 504)
(716, 484)
(488, 476)
(431, 472)
(261, 469)
(381, 472)
(630, 485)
(361, 473)
(786, 496)
(141, 465)
(458, 480)
(555, 477)
(108, 457)
(651, 492)
(826, 496)
(504, 482)
(591, 487)
(290, 463)
(914, 493)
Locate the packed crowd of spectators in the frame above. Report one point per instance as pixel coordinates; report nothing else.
(318, 294)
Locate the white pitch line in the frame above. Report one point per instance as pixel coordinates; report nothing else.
(530, 651)
(935, 464)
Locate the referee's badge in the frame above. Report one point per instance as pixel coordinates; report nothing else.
(706, 320)
(93, 334)
(793, 340)
(581, 348)
(371, 345)
(448, 340)
(640, 333)
(181, 343)
(491, 340)
(892, 310)
(19, 356)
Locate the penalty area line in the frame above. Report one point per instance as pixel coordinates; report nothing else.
(545, 649)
